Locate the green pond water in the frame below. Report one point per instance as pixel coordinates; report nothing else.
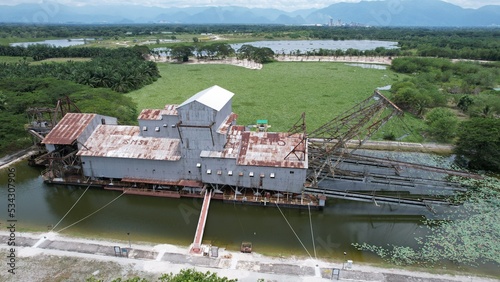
(326, 233)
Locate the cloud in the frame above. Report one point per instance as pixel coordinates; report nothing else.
(287, 5)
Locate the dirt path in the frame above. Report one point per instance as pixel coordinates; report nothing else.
(54, 257)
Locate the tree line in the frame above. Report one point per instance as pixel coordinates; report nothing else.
(453, 43)
(121, 70)
(215, 51)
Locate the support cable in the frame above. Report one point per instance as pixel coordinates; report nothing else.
(92, 213)
(312, 233)
(293, 231)
(71, 207)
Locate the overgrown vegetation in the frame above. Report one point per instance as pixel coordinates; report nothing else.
(468, 236)
(478, 145)
(465, 88)
(121, 69)
(19, 94)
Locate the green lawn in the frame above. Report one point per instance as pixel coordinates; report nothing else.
(279, 92)
(12, 59)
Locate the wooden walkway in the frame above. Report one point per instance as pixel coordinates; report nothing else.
(198, 236)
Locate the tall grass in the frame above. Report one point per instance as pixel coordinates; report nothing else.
(279, 92)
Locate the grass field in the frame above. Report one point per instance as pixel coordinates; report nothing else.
(279, 92)
(12, 59)
(9, 59)
(61, 60)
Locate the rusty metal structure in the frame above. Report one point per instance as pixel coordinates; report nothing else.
(188, 149)
(338, 169)
(41, 121)
(330, 143)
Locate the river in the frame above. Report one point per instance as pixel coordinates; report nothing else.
(162, 220)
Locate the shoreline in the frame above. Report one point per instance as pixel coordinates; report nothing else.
(16, 157)
(257, 66)
(33, 250)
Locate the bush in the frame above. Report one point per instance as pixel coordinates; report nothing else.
(443, 124)
(479, 143)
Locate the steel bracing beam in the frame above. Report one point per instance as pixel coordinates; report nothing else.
(327, 145)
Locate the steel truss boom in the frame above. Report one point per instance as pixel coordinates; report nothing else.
(327, 145)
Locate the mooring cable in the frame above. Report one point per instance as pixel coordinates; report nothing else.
(92, 213)
(293, 231)
(71, 207)
(312, 233)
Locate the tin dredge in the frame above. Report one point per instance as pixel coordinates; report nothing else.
(196, 149)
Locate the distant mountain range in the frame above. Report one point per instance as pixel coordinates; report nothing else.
(366, 13)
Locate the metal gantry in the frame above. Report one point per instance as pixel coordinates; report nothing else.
(330, 143)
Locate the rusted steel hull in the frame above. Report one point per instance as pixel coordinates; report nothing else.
(245, 196)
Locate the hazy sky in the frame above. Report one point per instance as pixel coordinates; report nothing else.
(288, 5)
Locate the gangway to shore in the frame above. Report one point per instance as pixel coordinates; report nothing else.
(198, 236)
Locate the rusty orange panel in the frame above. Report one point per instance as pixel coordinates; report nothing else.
(270, 149)
(156, 114)
(69, 128)
(117, 141)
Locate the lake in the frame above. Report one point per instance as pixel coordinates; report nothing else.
(287, 46)
(55, 42)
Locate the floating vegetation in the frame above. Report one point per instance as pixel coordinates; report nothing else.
(468, 236)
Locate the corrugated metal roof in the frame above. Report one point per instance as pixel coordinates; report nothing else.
(232, 146)
(214, 97)
(224, 127)
(69, 128)
(271, 149)
(116, 141)
(156, 114)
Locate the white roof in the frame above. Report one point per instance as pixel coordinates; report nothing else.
(214, 97)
